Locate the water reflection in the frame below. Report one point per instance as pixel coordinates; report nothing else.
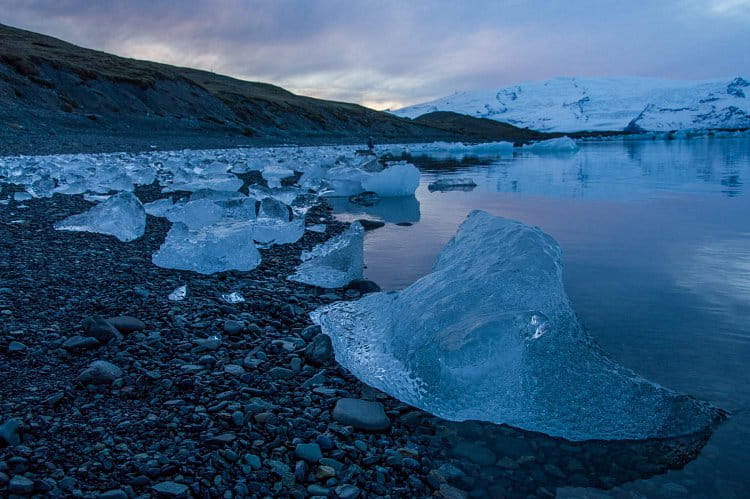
(389, 210)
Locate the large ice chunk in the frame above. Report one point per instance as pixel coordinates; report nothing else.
(334, 263)
(490, 335)
(217, 248)
(121, 216)
(558, 145)
(398, 179)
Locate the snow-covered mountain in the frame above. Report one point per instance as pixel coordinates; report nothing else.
(605, 104)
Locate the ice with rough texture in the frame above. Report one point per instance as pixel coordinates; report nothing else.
(398, 179)
(558, 145)
(179, 294)
(216, 248)
(334, 263)
(273, 208)
(233, 297)
(121, 216)
(269, 231)
(490, 335)
(159, 208)
(450, 149)
(606, 104)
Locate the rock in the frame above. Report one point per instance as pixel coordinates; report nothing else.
(320, 350)
(325, 472)
(361, 414)
(233, 328)
(16, 347)
(126, 324)
(347, 491)
(475, 453)
(96, 327)
(281, 373)
(100, 372)
(317, 490)
(113, 494)
(10, 433)
(309, 452)
(170, 489)
(80, 343)
(20, 485)
(222, 440)
(364, 286)
(310, 332)
(370, 224)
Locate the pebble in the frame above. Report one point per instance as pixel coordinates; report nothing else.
(16, 347)
(81, 343)
(20, 485)
(126, 324)
(309, 452)
(170, 489)
(361, 414)
(97, 327)
(320, 350)
(100, 372)
(10, 433)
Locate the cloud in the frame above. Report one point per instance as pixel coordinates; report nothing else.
(391, 53)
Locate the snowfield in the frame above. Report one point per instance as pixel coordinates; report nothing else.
(605, 104)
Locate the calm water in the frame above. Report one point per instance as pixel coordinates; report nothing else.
(656, 243)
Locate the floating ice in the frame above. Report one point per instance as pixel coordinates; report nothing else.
(179, 294)
(216, 248)
(452, 184)
(459, 149)
(490, 335)
(399, 179)
(121, 216)
(558, 145)
(233, 297)
(336, 262)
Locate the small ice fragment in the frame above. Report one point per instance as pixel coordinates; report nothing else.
(233, 297)
(334, 263)
(121, 216)
(96, 198)
(320, 228)
(22, 196)
(178, 294)
(452, 184)
(558, 145)
(273, 208)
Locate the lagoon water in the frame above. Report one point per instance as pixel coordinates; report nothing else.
(656, 244)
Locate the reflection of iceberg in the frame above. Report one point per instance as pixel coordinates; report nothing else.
(452, 184)
(490, 335)
(334, 263)
(391, 210)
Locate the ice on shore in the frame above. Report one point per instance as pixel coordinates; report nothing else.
(121, 216)
(216, 248)
(396, 180)
(452, 184)
(558, 145)
(491, 335)
(334, 263)
(274, 174)
(270, 231)
(159, 208)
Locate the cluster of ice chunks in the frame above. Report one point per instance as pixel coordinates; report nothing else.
(490, 335)
(121, 216)
(396, 180)
(455, 149)
(558, 145)
(334, 263)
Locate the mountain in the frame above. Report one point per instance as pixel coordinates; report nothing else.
(605, 104)
(57, 97)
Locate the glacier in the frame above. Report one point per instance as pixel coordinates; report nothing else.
(490, 335)
(121, 216)
(569, 104)
(334, 263)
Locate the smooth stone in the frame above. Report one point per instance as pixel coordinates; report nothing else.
(100, 372)
(170, 489)
(364, 286)
(475, 453)
(320, 350)
(347, 491)
(309, 452)
(16, 347)
(126, 324)
(281, 373)
(10, 433)
(20, 485)
(113, 494)
(310, 332)
(233, 328)
(97, 327)
(76, 343)
(361, 414)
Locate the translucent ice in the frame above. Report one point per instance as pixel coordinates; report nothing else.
(268, 231)
(274, 174)
(399, 179)
(217, 248)
(558, 145)
(273, 208)
(336, 262)
(121, 216)
(233, 297)
(490, 335)
(178, 294)
(158, 208)
(461, 149)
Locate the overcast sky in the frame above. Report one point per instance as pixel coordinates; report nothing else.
(384, 53)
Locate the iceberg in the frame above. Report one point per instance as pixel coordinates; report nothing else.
(490, 335)
(216, 248)
(558, 145)
(121, 216)
(398, 179)
(334, 263)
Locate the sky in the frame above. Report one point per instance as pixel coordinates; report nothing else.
(388, 54)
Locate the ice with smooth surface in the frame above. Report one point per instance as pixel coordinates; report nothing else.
(121, 216)
(558, 145)
(396, 180)
(216, 248)
(334, 263)
(572, 104)
(490, 335)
